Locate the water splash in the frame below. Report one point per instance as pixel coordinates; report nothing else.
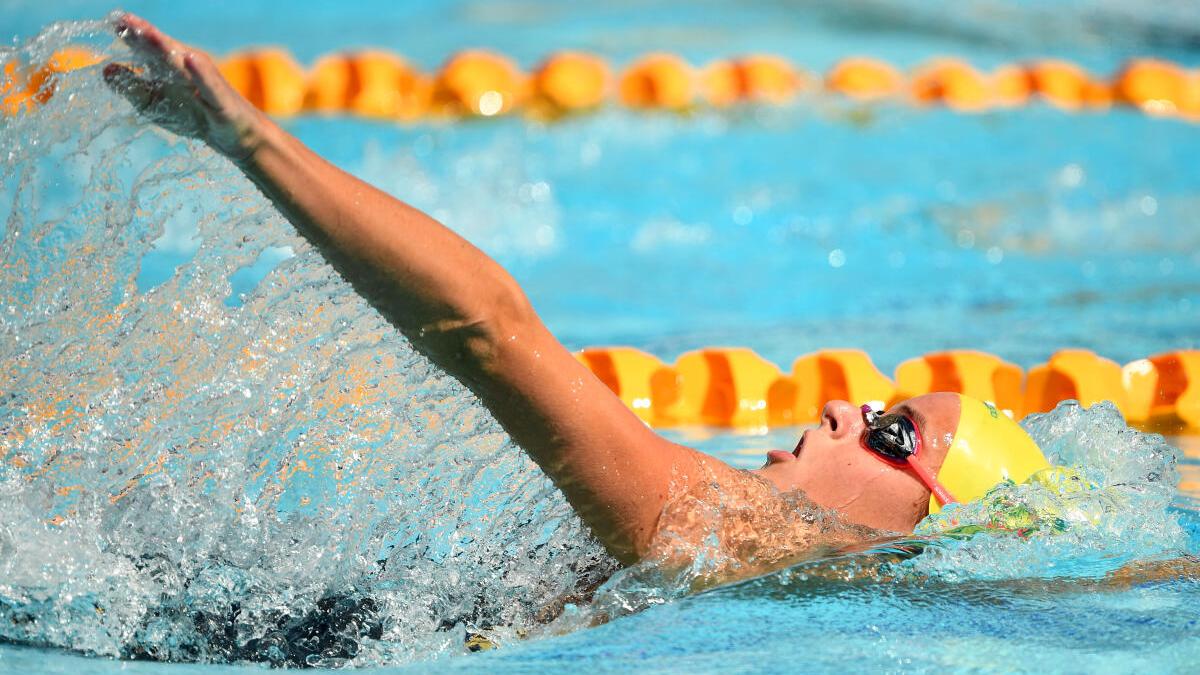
(1117, 513)
(283, 480)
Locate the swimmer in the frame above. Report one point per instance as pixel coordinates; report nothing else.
(878, 472)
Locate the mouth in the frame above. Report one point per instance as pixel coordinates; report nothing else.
(777, 456)
(800, 445)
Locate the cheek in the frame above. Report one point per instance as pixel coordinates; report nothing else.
(845, 463)
(835, 478)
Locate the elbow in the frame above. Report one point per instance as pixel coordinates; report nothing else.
(474, 341)
(507, 322)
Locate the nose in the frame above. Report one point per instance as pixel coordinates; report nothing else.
(842, 417)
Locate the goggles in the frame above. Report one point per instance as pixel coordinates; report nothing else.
(895, 439)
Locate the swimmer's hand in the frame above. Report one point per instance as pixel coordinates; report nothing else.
(180, 89)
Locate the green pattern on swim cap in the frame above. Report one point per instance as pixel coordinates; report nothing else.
(1049, 501)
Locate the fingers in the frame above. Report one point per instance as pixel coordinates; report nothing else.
(140, 92)
(140, 36)
(148, 41)
(206, 77)
(180, 89)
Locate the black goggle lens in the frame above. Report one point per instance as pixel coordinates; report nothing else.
(893, 436)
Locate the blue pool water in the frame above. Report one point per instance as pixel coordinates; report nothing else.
(899, 231)
(989, 224)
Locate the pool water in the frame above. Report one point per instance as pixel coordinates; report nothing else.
(899, 231)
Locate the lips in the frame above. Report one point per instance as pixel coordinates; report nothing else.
(800, 445)
(776, 456)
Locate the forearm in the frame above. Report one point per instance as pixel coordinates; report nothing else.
(464, 311)
(445, 294)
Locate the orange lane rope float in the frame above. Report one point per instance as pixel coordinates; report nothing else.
(378, 84)
(864, 78)
(23, 88)
(757, 78)
(269, 78)
(658, 81)
(369, 83)
(480, 83)
(568, 82)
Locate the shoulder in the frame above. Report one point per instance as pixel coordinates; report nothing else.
(740, 524)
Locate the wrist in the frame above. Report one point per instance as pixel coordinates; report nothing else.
(253, 137)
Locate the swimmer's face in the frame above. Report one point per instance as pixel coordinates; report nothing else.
(832, 468)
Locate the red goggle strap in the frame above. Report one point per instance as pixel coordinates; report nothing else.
(943, 495)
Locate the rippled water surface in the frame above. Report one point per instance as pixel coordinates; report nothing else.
(203, 428)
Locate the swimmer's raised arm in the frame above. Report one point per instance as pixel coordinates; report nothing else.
(454, 303)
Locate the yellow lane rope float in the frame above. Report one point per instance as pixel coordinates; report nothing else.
(478, 83)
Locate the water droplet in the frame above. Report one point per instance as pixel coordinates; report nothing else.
(1071, 176)
(965, 238)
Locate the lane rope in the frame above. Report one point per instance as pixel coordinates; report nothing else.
(735, 387)
(379, 84)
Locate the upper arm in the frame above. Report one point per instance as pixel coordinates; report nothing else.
(615, 471)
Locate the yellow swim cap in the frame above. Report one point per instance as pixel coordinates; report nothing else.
(988, 447)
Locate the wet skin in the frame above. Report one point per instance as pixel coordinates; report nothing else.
(468, 315)
(830, 465)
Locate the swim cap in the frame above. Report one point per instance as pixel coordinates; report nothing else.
(988, 448)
